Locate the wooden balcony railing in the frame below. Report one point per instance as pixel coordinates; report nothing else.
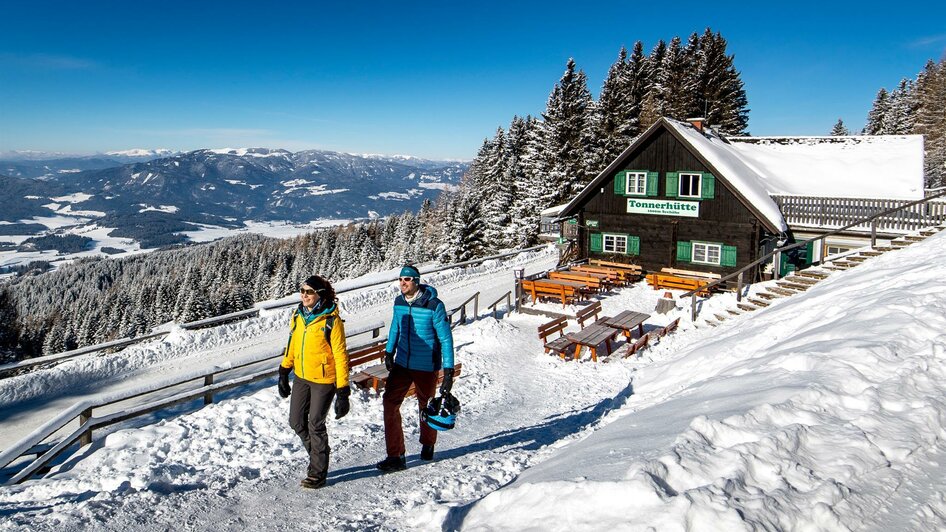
(832, 213)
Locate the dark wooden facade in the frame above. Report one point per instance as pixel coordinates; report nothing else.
(725, 219)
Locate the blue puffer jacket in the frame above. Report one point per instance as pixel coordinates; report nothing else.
(420, 333)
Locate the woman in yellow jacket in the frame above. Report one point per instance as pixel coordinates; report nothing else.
(319, 356)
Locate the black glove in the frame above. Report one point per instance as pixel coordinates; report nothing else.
(447, 383)
(284, 388)
(388, 360)
(341, 402)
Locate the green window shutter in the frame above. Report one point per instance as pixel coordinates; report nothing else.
(673, 184)
(708, 187)
(596, 242)
(809, 252)
(633, 245)
(728, 257)
(684, 251)
(620, 186)
(652, 183)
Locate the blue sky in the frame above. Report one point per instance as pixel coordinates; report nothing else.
(430, 79)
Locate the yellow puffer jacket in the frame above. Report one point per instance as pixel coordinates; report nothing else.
(312, 357)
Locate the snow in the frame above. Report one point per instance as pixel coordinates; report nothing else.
(140, 152)
(883, 166)
(78, 197)
(159, 208)
(824, 411)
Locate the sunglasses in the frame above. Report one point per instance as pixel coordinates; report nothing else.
(307, 291)
(407, 279)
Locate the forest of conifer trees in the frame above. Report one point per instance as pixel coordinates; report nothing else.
(916, 106)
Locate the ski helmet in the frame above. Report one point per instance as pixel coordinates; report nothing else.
(441, 412)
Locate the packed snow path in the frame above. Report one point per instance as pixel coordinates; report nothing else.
(824, 411)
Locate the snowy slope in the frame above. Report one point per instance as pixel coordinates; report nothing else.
(824, 411)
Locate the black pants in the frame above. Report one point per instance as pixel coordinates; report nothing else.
(308, 407)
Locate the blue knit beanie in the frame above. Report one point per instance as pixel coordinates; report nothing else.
(410, 271)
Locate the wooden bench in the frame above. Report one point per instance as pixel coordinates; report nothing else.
(637, 346)
(665, 280)
(691, 273)
(589, 312)
(375, 376)
(593, 282)
(562, 343)
(664, 331)
(633, 269)
(615, 276)
(551, 288)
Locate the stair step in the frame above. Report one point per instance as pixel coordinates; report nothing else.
(874, 253)
(734, 312)
(928, 232)
(845, 263)
(769, 295)
(720, 317)
(879, 249)
(900, 243)
(834, 268)
(813, 274)
(781, 291)
(792, 286)
(748, 308)
(712, 323)
(914, 238)
(758, 302)
(855, 258)
(801, 280)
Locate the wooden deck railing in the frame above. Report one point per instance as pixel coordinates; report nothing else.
(902, 216)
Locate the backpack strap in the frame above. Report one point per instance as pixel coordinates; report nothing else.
(329, 323)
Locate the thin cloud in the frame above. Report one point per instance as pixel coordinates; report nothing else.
(47, 61)
(928, 41)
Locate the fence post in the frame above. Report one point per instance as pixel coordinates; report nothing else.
(86, 438)
(476, 305)
(520, 275)
(873, 233)
(508, 303)
(209, 396)
(693, 306)
(776, 265)
(739, 287)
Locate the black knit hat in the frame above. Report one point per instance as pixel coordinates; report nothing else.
(315, 282)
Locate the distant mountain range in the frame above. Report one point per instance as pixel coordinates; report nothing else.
(155, 196)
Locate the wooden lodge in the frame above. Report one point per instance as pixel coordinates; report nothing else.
(675, 198)
(683, 197)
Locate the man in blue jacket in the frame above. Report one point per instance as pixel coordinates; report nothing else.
(420, 343)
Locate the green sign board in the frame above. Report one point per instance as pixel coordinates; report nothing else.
(591, 223)
(689, 209)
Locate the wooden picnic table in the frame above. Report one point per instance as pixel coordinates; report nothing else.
(627, 320)
(591, 337)
(374, 376)
(562, 282)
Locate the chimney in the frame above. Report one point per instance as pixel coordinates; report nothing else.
(697, 123)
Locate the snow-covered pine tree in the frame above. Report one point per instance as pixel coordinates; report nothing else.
(675, 89)
(651, 105)
(721, 91)
(613, 122)
(901, 110)
(567, 122)
(931, 121)
(877, 114)
(839, 130)
(497, 184)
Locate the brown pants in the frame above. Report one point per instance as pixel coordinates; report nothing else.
(399, 381)
(308, 407)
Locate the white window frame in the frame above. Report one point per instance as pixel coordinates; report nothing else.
(839, 249)
(614, 243)
(640, 178)
(699, 189)
(705, 248)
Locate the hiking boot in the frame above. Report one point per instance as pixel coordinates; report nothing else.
(392, 464)
(313, 483)
(427, 452)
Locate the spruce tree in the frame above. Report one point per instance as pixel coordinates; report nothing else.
(877, 114)
(839, 130)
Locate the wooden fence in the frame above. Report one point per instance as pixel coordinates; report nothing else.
(831, 213)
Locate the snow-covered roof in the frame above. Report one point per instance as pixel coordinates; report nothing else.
(883, 166)
(553, 211)
(729, 165)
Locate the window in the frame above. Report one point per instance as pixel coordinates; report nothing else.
(615, 243)
(690, 185)
(706, 253)
(636, 184)
(836, 250)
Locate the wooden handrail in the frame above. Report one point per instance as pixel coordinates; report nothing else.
(8, 369)
(83, 410)
(508, 297)
(777, 251)
(475, 298)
